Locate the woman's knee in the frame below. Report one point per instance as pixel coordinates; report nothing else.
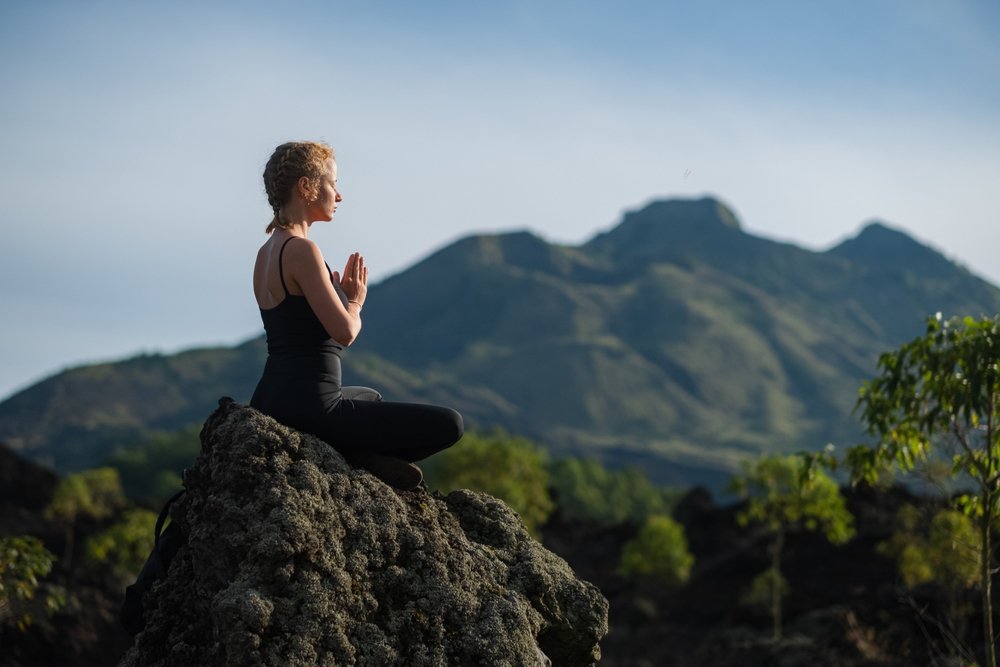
(361, 394)
(455, 425)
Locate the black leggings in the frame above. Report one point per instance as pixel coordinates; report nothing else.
(363, 423)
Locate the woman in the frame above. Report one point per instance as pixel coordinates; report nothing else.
(310, 315)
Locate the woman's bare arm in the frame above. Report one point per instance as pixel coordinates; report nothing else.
(306, 269)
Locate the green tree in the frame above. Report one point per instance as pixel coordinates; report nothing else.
(508, 467)
(94, 494)
(940, 393)
(585, 489)
(944, 551)
(659, 552)
(124, 546)
(150, 471)
(788, 493)
(23, 560)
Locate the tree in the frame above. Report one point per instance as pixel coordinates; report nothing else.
(944, 550)
(585, 489)
(659, 551)
(150, 471)
(23, 560)
(123, 547)
(940, 395)
(787, 493)
(508, 467)
(95, 494)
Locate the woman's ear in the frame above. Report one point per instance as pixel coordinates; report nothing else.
(305, 187)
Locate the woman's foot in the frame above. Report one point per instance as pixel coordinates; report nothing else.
(395, 472)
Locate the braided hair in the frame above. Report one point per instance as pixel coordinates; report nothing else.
(288, 163)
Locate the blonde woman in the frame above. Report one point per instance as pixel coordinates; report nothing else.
(311, 314)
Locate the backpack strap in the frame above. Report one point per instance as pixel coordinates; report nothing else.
(163, 517)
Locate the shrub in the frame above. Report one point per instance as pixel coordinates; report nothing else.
(23, 560)
(509, 467)
(659, 552)
(123, 547)
(585, 489)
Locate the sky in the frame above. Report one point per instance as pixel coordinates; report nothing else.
(133, 137)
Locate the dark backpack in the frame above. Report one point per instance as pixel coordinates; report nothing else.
(165, 547)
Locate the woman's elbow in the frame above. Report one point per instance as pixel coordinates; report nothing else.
(347, 335)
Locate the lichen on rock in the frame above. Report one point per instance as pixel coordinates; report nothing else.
(296, 558)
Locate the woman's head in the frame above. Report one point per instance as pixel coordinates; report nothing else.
(294, 166)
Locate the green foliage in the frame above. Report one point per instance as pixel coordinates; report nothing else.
(585, 489)
(944, 383)
(509, 467)
(793, 492)
(93, 493)
(940, 393)
(788, 493)
(659, 552)
(762, 588)
(124, 546)
(23, 560)
(945, 551)
(150, 471)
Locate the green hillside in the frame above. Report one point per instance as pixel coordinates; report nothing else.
(77, 418)
(675, 341)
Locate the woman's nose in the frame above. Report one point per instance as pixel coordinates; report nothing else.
(339, 198)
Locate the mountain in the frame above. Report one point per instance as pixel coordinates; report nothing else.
(76, 418)
(675, 341)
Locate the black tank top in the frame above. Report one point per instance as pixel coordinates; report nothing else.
(303, 362)
(292, 327)
(301, 383)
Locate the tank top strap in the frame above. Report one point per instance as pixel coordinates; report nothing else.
(281, 266)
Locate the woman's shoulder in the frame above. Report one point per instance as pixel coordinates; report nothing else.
(288, 245)
(301, 248)
(302, 257)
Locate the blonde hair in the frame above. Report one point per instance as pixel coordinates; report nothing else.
(288, 163)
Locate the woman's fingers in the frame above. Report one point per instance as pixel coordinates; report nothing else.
(355, 266)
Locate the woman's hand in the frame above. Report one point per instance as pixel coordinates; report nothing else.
(337, 302)
(355, 280)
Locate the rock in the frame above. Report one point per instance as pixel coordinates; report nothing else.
(23, 483)
(296, 558)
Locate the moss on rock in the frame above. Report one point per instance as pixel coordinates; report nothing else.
(296, 558)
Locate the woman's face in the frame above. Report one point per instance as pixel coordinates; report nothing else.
(328, 197)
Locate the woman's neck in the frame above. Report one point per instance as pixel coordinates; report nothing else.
(294, 212)
(299, 229)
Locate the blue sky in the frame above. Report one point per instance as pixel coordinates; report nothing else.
(133, 135)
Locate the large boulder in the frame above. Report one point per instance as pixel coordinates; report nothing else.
(24, 484)
(296, 558)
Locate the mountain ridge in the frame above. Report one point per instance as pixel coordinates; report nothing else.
(882, 245)
(675, 339)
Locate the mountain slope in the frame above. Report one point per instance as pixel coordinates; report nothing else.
(74, 419)
(674, 333)
(674, 340)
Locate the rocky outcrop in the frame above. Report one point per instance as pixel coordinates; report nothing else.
(24, 484)
(296, 558)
